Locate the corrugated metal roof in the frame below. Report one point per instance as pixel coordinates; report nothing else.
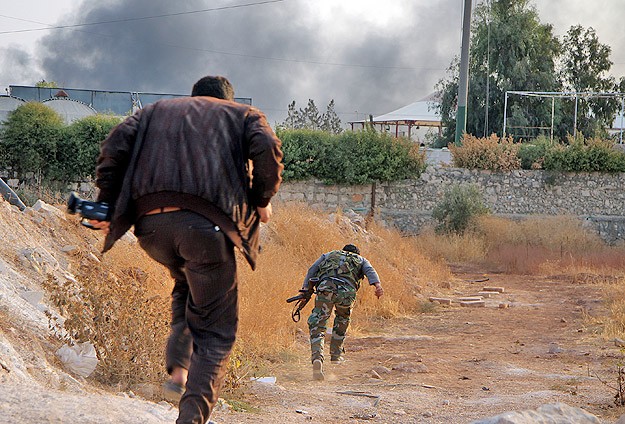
(7, 105)
(69, 109)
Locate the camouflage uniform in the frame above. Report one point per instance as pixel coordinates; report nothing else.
(339, 273)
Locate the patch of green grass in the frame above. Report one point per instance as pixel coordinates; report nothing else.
(242, 406)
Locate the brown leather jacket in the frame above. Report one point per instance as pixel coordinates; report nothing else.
(194, 153)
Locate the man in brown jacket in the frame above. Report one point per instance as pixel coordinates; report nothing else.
(195, 176)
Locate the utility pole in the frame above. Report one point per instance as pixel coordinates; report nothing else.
(463, 82)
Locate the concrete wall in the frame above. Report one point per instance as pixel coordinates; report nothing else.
(596, 198)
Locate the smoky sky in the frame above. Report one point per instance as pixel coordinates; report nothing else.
(273, 53)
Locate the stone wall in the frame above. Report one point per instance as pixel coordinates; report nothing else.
(596, 198)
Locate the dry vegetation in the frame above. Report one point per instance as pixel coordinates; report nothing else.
(542, 246)
(122, 303)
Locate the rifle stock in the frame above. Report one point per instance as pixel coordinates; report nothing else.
(302, 298)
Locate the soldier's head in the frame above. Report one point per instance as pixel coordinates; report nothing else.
(210, 86)
(351, 248)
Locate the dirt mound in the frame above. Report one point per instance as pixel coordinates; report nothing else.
(39, 245)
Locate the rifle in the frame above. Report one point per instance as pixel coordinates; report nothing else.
(302, 298)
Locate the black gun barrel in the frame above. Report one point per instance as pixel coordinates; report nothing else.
(294, 298)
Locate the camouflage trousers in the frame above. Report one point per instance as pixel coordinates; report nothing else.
(330, 296)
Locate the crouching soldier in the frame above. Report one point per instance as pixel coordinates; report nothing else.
(339, 273)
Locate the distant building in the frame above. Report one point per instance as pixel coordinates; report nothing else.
(120, 103)
(7, 105)
(69, 109)
(406, 120)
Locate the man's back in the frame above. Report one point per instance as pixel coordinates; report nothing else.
(200, 145)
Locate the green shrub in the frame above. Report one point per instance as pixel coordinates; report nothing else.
(585, 155)
(29, 139)
(302, 151)
(78, 149)
(350, 157)
(460, 205)
(532, 154)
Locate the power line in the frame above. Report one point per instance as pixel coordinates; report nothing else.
(290, 60)
(141, 18)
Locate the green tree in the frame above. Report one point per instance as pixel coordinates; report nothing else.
(510, 50)
(330, 121)
(78, 149)
(29, 139)
(585, 66)
(310, 118)
(46, 84)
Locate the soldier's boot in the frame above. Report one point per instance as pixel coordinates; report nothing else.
(318, 370)
(337, 360)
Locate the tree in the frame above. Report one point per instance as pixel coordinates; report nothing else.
(510, 50)
(585, 64)
(78, 149)
(330, 121)
(309, 118)
(29, 139)
(46, 84)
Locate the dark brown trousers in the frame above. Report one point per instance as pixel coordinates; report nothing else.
(204, 319)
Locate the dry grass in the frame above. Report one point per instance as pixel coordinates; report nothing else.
(542, 246)
(533, 246)
(455, 248)
(294, 239)
(614, 326)
(121, 304)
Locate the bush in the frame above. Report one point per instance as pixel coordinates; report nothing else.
(585, 155)
(460, 205)
(302, 151)
(35, 139)
(490, 153)
(532, 154)
(29, 139)
(349, 158)
(78, 149)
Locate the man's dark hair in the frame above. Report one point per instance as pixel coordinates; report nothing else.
(351, 248)
(210, 86)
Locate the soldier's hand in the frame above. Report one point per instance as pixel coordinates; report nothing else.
(379, 291)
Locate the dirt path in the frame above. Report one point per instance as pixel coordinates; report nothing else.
(457, 364)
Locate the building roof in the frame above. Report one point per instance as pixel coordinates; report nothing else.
(422, 112)
(70, 110)
(7, 105)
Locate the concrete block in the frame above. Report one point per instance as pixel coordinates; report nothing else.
(441, 300)
(473, 304)
(494, 289)
(470, 299)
